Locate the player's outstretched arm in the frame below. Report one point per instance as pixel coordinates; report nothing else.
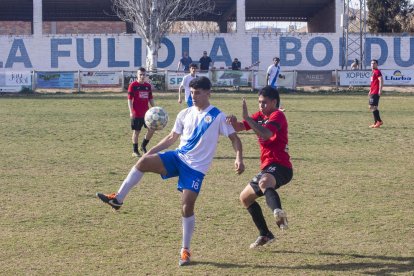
(165, 143)
(232, 120)
(237, 146)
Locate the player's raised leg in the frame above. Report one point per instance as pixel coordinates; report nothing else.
(147, 163)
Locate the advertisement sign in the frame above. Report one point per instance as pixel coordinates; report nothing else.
(55, 80)
(100, 79)
(15, 81)
(231, 78)
(174, 79)
(156, 79)
(316, 78)
(287, 81)
(355, 78)
(398, 77)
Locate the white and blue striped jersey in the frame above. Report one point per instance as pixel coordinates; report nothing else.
(273, 72)
(186, 84)
(200, 131)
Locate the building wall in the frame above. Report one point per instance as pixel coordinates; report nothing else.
(63, 27)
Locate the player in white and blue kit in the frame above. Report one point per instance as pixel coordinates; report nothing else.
(198, 128)
(273, 74)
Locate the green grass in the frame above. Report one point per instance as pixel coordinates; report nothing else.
(350, 203)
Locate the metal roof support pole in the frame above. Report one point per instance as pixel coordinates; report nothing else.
(241, 16)
(37, 18)
(354, 32)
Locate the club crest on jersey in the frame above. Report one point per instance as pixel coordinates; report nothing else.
(208, 119)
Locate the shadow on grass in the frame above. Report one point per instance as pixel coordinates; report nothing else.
(377, 265)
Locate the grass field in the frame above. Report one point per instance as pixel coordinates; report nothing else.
(350, 203)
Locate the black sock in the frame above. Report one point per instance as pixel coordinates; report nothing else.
(258, 218)
(135, 147)
(272, 199)
(144, 143)
(376, 115)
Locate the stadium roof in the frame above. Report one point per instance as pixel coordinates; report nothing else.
(101, 10)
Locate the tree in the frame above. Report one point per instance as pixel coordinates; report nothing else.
(152, 19)
(385, 16)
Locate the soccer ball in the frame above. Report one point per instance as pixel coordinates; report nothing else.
(156, 118)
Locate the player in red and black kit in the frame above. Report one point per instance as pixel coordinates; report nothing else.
(375, 93)
(271, 128)
(139, 95)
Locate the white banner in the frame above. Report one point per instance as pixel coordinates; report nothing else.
(174, 78)
(287, 81)
(355, 78)
(363, 78)
(14, 81)
(100, 79)
(398, 77)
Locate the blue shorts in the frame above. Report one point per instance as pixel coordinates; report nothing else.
(189, 101)
(188, 178)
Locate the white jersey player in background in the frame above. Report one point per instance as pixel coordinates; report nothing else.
(198, 128)
(185, 83)
(273, 74)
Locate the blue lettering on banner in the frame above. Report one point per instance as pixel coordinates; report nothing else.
(383, 50)
(18, 45)
(80, 53)
(137, 52)
(317, 52)
(176, 80)
(255, 49)
(328, 51)
(54, 50)
(397, 53)
(185, 44)
(170, 53)
(220, 44)
(293, 51)
(112, 62)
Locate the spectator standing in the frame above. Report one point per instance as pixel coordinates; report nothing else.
(185, 61)
(236, 64)
(205, 62)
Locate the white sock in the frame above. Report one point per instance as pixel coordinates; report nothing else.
(130, 181)
(188, 230)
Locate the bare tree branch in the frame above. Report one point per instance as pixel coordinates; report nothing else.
(153, 19)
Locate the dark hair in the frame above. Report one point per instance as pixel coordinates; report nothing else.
(142, 69)
(375, 60)
(271, 93)
(276, 58)
(193, 65)
(200, 82)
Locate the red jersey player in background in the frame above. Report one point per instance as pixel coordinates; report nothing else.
(139, 95)
(271, 128)
(374, 95)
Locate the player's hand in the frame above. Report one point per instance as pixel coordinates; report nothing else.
(239, 166)
(179, 101)
(245, 111)
(231, 119)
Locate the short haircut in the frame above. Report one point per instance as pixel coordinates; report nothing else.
(193, 65)
(375, 60)
(201, 82)
(271, 93)
(276, 58)
(142, 69)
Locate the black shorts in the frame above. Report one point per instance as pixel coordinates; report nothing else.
(374, 99)
(137, 123)
(282, 175)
